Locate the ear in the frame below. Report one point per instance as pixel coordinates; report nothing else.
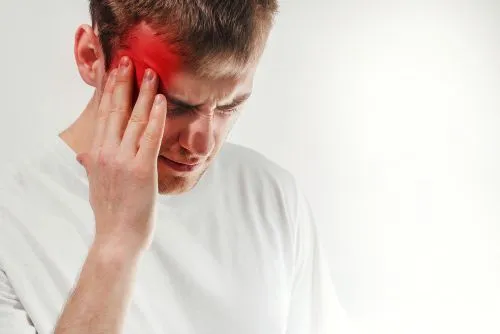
(89, 56)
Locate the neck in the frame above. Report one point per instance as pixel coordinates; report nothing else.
(79, 135)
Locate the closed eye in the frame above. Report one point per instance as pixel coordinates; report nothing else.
(176, 111)
(177, 107)
(228, 111)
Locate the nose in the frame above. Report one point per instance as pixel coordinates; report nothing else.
(198, 136)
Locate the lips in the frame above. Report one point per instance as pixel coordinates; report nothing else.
(179, 167)
(182, 163)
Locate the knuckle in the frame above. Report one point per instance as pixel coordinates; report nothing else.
(105, 157)
(102, 116)
(102, 158)
(147, 90)
(141, 171)
(119, 108)
(137, 118)
(121, 79)
(108, 88)
(93, 156)
(110, 85)
(149, 137)
(119, 163)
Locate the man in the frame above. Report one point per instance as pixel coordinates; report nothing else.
(162, 227)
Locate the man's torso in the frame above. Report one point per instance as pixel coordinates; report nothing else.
(220, 261)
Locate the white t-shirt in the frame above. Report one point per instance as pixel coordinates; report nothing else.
(239, 253)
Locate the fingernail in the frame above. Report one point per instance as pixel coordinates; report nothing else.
(149, 75)
(158, 99)
(124, 64)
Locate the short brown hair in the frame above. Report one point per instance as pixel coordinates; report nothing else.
(204, 31)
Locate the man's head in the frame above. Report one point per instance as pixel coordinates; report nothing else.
(205, 52)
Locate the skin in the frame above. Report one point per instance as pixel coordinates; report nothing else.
(191, 136)
(118, 140)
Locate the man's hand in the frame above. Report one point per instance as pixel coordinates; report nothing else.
(122, 172)
(122, 164)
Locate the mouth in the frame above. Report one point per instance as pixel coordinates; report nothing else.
(177, 166)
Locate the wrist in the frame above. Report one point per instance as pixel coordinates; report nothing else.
(115, 251)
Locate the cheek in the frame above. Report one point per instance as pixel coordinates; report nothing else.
(222, 129)
(171, 133)
(175, 127)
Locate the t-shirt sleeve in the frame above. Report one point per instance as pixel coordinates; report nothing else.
(13, 317)
(314, 307)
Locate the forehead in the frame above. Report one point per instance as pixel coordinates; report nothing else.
(197, 90)
(216, 78)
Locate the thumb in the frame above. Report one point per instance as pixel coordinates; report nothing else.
(82, 159)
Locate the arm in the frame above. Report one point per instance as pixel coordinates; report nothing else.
(121, 167)
(123, 181)
(102, 294)
(98, 303)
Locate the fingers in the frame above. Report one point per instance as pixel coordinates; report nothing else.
(103, 112)
(140, 115)
(120, 104)
(137, 134)
(151, 139)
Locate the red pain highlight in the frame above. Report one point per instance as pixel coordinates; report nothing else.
(148, 50)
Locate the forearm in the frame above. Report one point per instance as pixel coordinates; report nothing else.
(101, 297)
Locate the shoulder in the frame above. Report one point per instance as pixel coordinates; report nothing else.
(21, 169)
(246, 171)
(24, 185)
(17, 179)
(13, 180)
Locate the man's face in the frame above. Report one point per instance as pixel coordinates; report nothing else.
(201, 112)
(200, 115)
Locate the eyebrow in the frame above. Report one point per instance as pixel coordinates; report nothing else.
(237, 101)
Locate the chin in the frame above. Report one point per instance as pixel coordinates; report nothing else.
(169, 184)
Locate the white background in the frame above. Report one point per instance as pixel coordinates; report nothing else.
(388, 114)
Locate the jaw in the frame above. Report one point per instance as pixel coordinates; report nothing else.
(169, 184)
